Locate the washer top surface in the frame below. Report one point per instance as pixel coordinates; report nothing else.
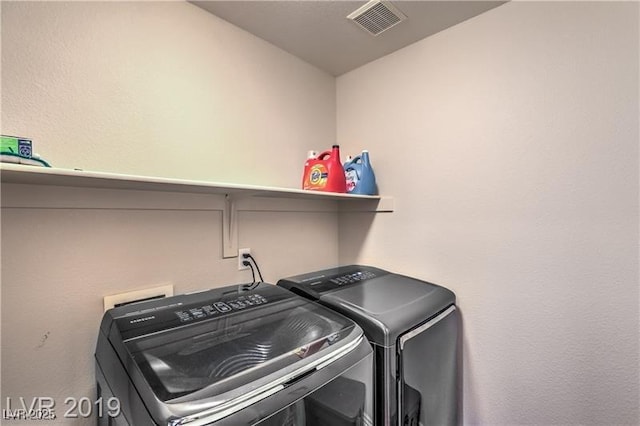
(384, 304)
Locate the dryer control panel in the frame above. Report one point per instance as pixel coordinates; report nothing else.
(353, 277)
(331, 279)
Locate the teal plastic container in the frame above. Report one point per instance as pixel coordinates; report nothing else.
(360, 177)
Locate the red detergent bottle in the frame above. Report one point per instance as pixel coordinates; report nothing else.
(325, 172)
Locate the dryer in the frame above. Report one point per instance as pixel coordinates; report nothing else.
(233, 356)
(413, 327)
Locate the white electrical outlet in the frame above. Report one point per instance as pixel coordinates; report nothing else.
(241, 258)
(138, 295)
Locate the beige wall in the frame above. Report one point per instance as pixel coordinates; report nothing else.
(160, 89)
(510, 144)
(63, 249)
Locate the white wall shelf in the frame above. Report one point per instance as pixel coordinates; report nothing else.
(12, 173)
(31, 175)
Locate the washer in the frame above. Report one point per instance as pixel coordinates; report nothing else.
(413, 327)
(233, 356)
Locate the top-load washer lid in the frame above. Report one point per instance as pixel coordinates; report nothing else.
(384, 304)
(206, 355)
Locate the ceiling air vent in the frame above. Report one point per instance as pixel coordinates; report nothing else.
(377, 16)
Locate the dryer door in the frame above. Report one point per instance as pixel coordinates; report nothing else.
(428, 372)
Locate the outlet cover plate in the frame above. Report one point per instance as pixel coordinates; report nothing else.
(242, 251)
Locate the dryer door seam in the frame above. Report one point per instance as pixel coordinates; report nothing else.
(413, 333)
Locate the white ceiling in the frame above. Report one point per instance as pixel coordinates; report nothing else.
(318, 31)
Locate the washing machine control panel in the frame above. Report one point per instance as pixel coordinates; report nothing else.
(143, 318)
(221, 307)
(178, 314)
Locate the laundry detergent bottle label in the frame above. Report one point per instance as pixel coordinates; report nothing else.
(352, 179)
(318, 176)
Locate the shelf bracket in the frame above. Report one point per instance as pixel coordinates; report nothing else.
(229, 227)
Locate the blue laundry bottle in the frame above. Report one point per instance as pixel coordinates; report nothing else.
(360, 177)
